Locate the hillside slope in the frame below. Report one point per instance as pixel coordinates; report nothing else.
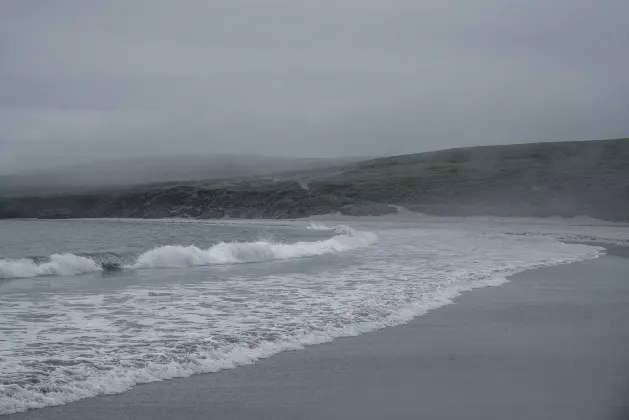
(541, 179)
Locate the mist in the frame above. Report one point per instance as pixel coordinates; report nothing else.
(152, 169)
(83, 82)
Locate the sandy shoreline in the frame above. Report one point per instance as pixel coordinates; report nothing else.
(552, 344)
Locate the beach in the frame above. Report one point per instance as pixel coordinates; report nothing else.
(551, 344)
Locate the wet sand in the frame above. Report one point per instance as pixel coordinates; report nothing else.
(551, 344)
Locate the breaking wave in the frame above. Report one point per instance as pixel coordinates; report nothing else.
(58, 265)
(176, 256)
(341, 230)
(72, 344)
(318, 226)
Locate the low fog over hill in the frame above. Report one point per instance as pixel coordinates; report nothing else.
(155, 169)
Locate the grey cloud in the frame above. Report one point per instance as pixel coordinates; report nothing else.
(86, 80)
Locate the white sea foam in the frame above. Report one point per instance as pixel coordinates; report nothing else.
(59, 265)
(82, 343)
(176, 256)
(340, 229)
(249, 252)
(318, 226)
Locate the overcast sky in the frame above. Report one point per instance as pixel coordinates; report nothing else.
(83, 80)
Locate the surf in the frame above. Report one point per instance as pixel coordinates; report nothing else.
(179, 256)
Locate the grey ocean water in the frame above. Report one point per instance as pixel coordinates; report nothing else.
(96, 307)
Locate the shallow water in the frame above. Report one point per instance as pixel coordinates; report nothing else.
(195, 297)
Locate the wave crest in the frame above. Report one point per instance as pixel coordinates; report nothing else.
(176, 256)
(250, 252)
(59, 265)
(341, 229)
(318, 226)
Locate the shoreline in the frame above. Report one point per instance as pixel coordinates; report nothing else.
(232, 393)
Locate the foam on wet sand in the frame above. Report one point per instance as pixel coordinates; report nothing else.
(551, 344)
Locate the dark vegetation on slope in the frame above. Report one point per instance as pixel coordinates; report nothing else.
(542, 179)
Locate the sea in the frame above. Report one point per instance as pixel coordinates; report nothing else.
(93, 307)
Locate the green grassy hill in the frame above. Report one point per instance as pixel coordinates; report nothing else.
(540, 179)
